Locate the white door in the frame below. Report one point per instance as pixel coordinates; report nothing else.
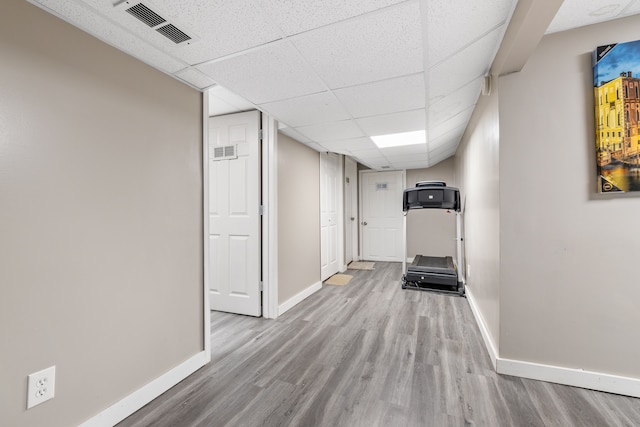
(234, 213)
(350, 209)
(381, 221)
(329, 179)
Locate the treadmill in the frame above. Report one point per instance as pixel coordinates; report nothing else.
(428, 272)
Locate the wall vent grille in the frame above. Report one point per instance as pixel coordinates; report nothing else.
(226, 152)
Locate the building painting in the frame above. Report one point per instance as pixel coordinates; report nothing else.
(617, 116)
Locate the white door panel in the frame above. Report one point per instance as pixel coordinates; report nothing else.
(234, 217)
(329, 193)
(351, 209)
(382, 215)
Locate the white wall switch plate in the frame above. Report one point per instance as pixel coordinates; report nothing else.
(41, 386)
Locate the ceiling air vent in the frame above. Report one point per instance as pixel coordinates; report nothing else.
(174, 34)
(146, 15)
(153, 19)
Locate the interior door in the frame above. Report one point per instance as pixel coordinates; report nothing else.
(350, 209)
(381, 222)
(234, 213)
(329, 174)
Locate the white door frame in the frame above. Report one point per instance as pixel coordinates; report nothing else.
(404, 185)
(348, 161)
(341, 267)
(205, 224)
(269, 217)
(269, 220)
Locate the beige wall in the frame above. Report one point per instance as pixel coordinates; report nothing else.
(100, 219)
(569, 276)
(298, 217)
(431, 232)
(477, 175)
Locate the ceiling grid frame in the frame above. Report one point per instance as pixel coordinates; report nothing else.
(293, 29)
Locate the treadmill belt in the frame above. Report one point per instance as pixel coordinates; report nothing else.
(432, 272)
(433, 264)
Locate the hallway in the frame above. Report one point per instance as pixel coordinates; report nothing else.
(368, 354)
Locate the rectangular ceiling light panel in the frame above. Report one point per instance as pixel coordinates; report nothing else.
(400, 139)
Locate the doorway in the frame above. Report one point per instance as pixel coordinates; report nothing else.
(234, 213)
(381, 215)
(350, 210)
(330, 214)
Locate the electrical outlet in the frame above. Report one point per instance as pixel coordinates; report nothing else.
(41, 386)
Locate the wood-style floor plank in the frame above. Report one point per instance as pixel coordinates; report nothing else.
(368, 354)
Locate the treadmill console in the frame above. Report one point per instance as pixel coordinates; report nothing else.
(431, 195)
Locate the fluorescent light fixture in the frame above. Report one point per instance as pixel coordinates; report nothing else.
(400, 139)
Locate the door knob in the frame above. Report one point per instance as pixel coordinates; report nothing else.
(364, 223)
(353, 218)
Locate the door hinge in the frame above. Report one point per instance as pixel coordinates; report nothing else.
(261, 134)
(261, 209)
(261, 285)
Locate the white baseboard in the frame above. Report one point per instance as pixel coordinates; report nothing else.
(568, 376)
(484, 330)
(553, 374)
(410, 259)
(136, 400)
(294, 300)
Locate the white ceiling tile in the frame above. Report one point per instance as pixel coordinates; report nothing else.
(578, 13)
(404, 150)
(632, 8)
(296, 16)
(451, 139)
(399, 94)
(355, 144)
(454, 24)
(423, 157)
(338, 149)
(319, 148)
(448, 150)
(437, 159)
(453, 110)
(334, 131)
(373, 164)
(218, 107)
(306, 110)
(463, 95)
(455, 123)
(373, 47)
(462, 68)
(407, 121)
(369, 152)
(222, 27)
(271, 73)
(420, 164)
(86, 18)
(231, 98)
(194, 77)
(292, 133)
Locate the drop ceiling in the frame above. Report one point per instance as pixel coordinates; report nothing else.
(332, 72)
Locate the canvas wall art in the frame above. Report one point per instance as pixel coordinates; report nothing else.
(616, 81)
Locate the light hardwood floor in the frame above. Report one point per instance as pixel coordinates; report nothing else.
(369, 354)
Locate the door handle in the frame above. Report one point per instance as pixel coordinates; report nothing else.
(353, 218)
(364, 223)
